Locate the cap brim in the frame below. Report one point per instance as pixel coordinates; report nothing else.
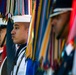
(58, 11)
(55, 14)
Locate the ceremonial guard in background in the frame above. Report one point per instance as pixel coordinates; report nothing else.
(60, 23)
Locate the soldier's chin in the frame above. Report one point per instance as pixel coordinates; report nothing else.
(58, 37)
(15, 41)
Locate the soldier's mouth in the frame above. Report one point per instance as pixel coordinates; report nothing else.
(13, 37)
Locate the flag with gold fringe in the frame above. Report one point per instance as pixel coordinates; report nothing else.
(31, 35)
(31, 65)
(41, 32)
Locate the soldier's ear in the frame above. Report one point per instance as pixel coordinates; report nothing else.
(27, 30)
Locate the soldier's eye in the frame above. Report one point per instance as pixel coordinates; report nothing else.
(16, 27)
(58, 17)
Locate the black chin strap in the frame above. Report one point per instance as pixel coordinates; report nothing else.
(3, 41)
(63, 28)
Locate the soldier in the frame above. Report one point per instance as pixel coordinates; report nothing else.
(3, 25)
(2, 34)
(19, 36)
(60, 23)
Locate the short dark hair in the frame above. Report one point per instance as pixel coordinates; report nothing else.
(3, 26)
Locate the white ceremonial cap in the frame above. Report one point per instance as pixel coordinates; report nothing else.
(22, 18)
(3, 22)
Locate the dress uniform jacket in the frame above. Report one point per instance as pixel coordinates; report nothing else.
(3, 68)
(19, 66)
(67, 63)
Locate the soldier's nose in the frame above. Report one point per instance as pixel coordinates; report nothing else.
(13, 31)
(53, 22)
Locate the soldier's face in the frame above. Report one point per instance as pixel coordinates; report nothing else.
(19, 33)
(58, 22)
(2, 35)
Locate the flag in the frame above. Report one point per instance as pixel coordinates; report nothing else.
(3, 7)
(10, 47)
(22, 7)
(36, 25)
(19, 8)
(72, 33)
(26, 6)
(31, 35)
(41, 32)
(10, 7)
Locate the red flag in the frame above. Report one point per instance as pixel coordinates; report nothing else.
(72, 32)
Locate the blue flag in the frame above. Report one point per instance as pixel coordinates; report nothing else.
(10, 47)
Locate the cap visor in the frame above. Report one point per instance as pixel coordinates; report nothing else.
(56, 13)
